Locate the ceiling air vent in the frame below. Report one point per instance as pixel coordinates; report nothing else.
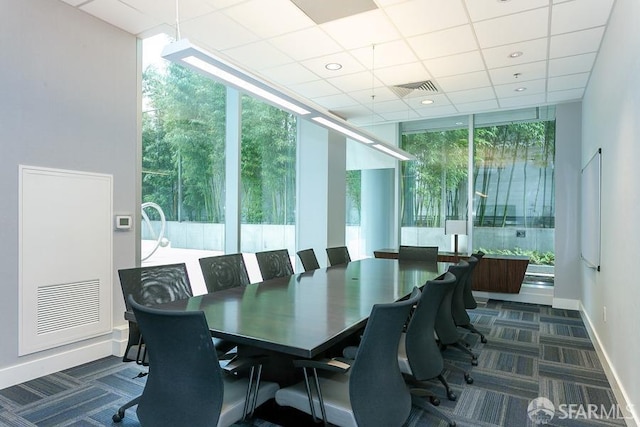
(405, 89)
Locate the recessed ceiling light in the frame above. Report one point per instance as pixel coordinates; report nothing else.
(520, 89)
(515, 54)
(426, 101)
(333, 66)
(503, 1)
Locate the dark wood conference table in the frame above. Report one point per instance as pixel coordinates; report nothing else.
(307, 313)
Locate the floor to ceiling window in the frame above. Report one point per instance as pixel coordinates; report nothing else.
(183, 169)
(513, 181)
(268, 178)
(513, 199)
(433, 187)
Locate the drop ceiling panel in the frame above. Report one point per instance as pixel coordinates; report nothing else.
(385, 55)
(120, 15)
(464, 81)
(519, 73)
(335, 101)
(532, 51)
(258, 56)
(479, 10)
(565, 95)
(509, 90)
(381, 94)
(289, 74)
(349, 65)
(361, 30)
(305, 44)
(418, 17)
(444, 43)
(571, 64)
(455, 64)
(478, 106)
(217, 31)
(573, 81)
(402, 74)
(523, 101)
(315, 89)
(354, 82)
(165, 11)
(269, 18)
(579, 15)
(576, 43)
(520, 27)
(473, 95)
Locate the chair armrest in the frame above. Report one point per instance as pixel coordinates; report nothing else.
(333, 365)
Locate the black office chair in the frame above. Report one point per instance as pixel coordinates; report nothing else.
(418, 354)
(308, 259)
(185, 385)
(149, 285)
(338, 255)
(274, 264)
(445, 325)
(469, 299)
(368, 392)
(458, 310)
(224, 272)
(220, 273)
(418, 253)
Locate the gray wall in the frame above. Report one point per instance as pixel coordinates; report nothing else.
(610, 119)
(68, 100)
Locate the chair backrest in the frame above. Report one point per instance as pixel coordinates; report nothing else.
(181, 357)
(445, 325)
(224, 272)
(422, 349)
(469, 300)
(458, 311)
(418, 253)
(155, 284)
(377, 390)
(338, 255)
(308, 259)
(274, 264)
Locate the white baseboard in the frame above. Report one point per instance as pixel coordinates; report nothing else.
(566, 304)
(632, 418)
(35, 368)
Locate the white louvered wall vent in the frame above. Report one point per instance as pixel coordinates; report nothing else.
(68, 305)
(66, 257)
(405, 89)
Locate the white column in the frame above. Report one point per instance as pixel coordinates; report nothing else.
(321, 189)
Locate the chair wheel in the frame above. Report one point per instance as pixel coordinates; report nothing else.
(452, 396)
(452, 424)
(483, 340)
(434, 401)
(118, 416)
(468, 379)
(474, 362)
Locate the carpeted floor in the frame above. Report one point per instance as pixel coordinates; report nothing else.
(532, 352)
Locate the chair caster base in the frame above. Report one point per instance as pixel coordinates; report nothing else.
(434, 401)
(468, 379)
(452, 396)
(118, 416)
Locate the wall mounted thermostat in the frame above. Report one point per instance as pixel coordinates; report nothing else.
(123, 222)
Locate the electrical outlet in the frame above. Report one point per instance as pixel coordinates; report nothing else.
(521, 233)
(604, 313)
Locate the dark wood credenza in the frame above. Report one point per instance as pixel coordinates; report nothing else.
(495, 273)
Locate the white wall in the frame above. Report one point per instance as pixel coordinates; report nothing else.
(610, 117)
(69, 100)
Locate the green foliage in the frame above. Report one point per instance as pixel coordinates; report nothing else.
(535, 257)
(184, 151)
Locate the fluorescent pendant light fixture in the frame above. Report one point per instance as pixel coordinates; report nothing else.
(184, 53)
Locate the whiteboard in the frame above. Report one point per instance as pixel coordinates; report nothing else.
(590, 226)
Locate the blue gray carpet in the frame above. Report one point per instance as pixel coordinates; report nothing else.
(532, 352)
